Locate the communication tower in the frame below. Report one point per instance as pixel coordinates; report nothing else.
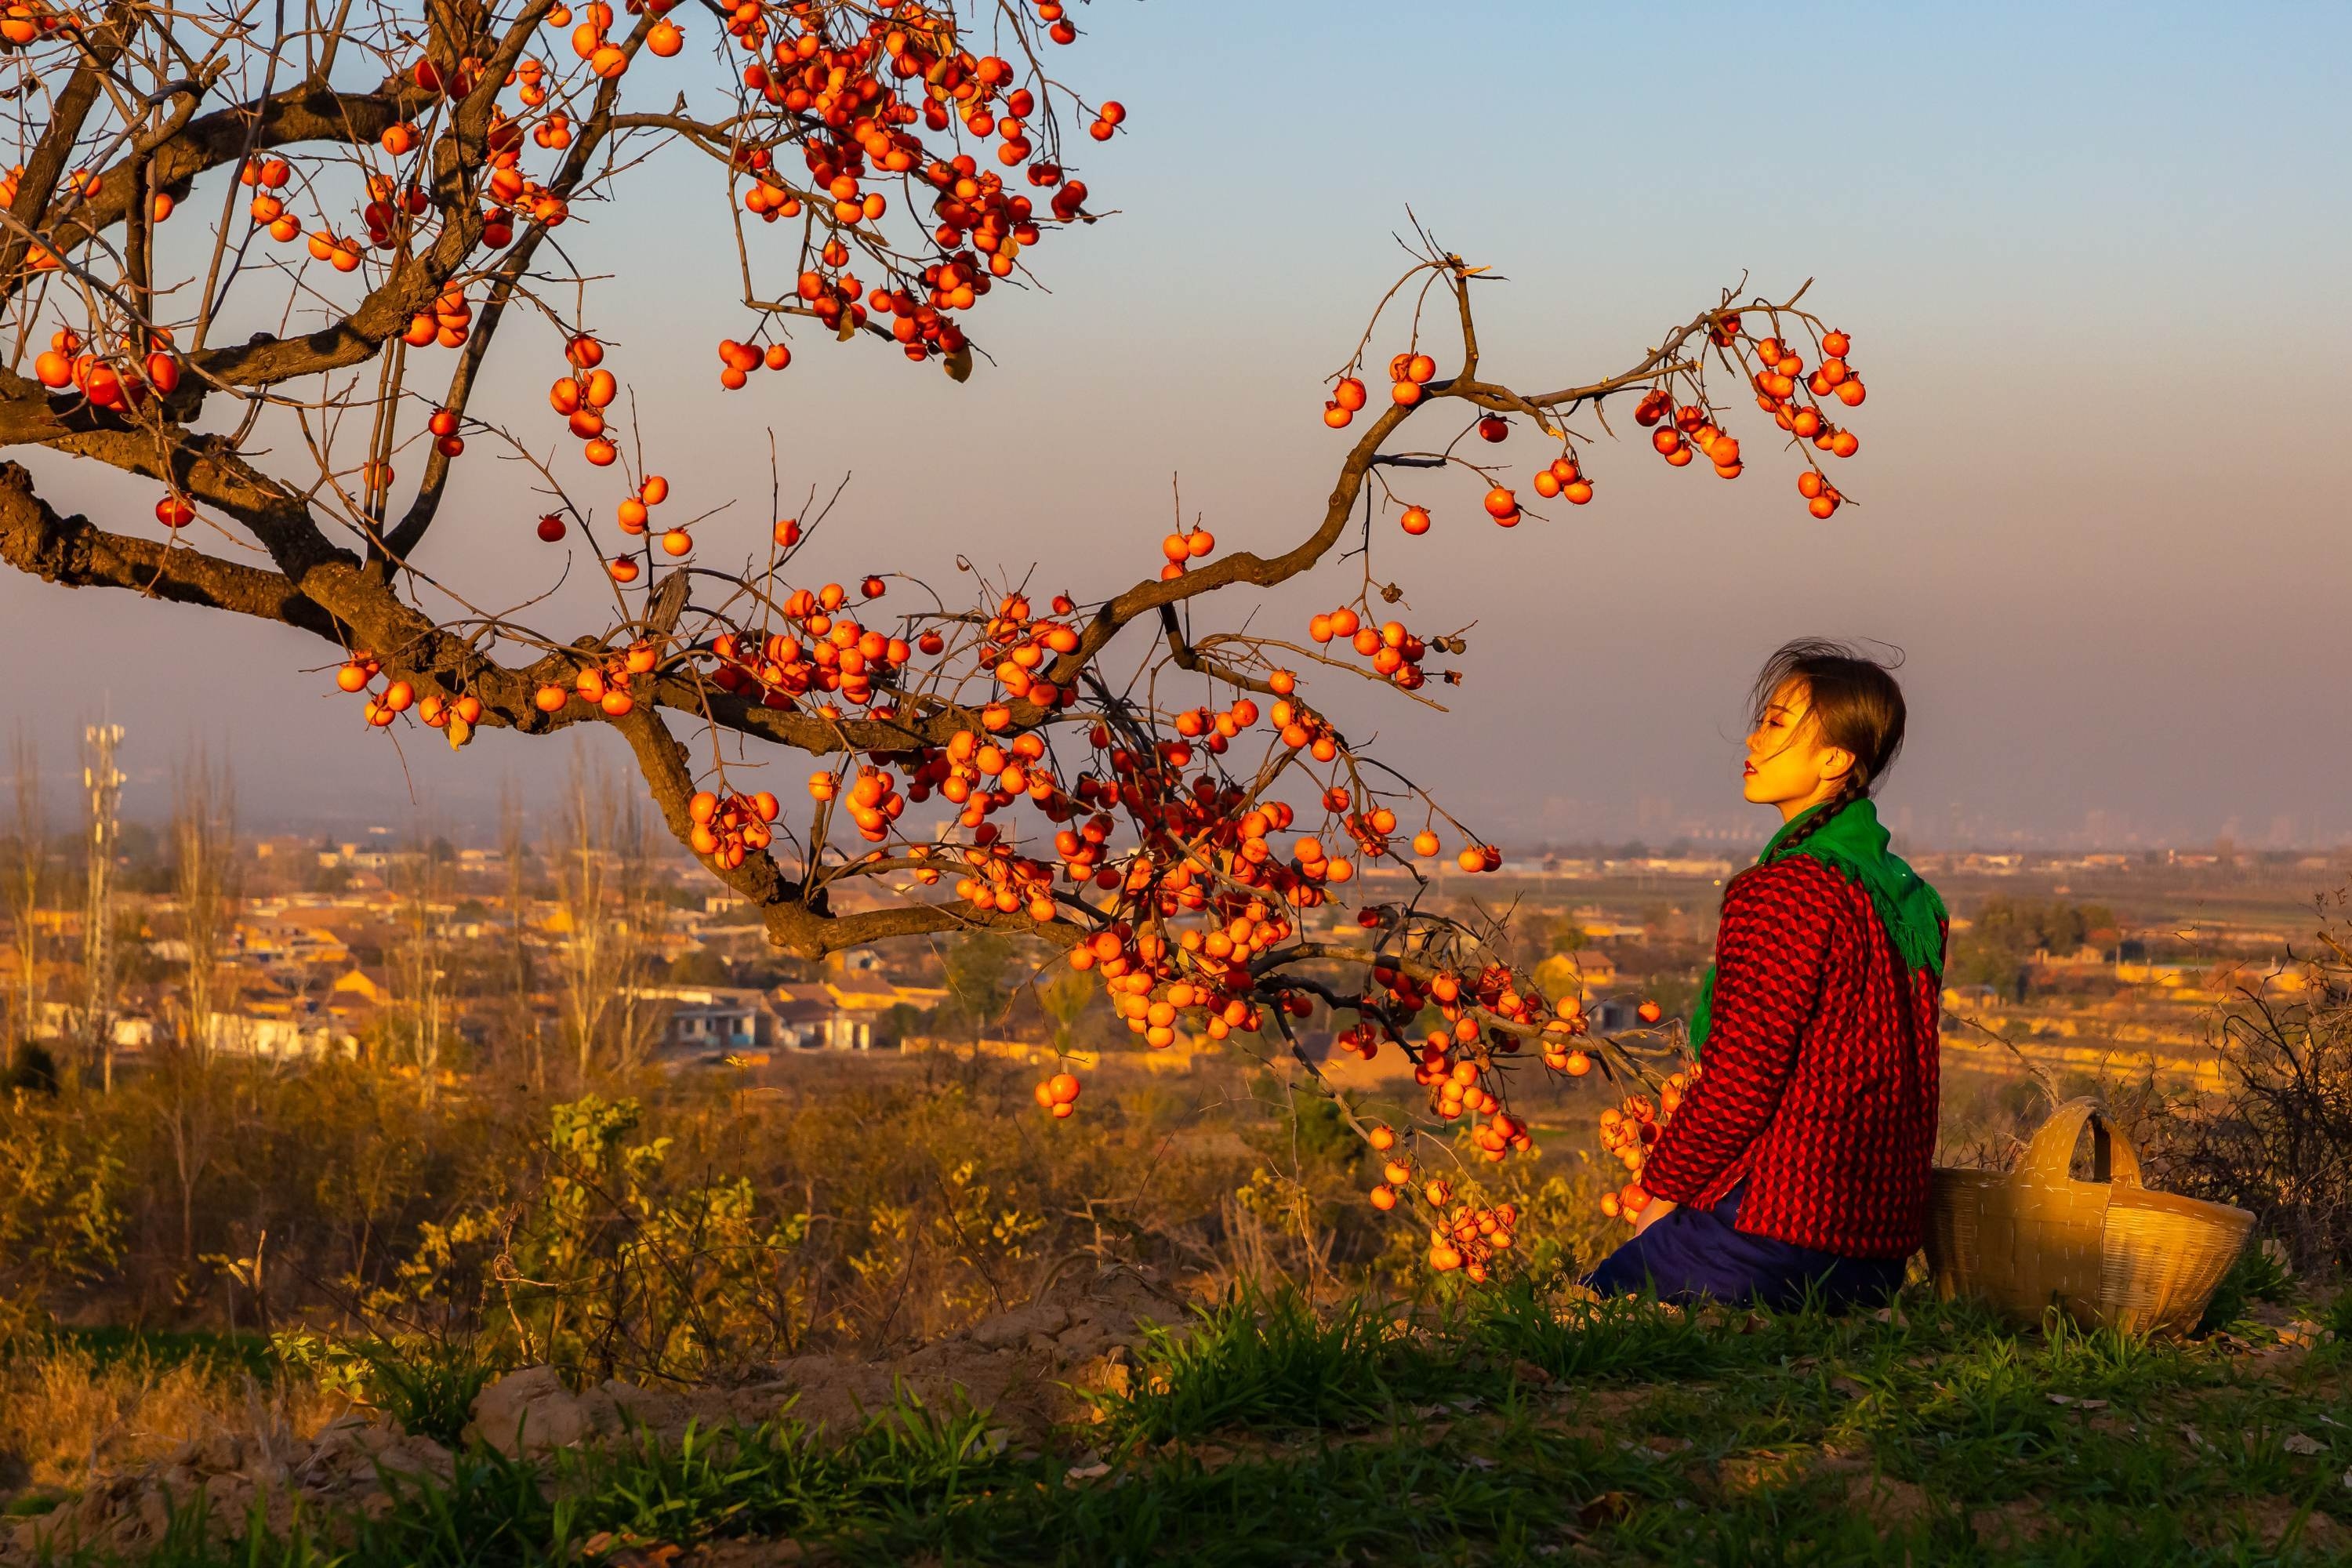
(104, 781)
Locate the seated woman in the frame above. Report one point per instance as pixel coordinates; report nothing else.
(1797, 1162)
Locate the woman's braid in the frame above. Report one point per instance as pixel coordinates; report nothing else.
(1853, 789)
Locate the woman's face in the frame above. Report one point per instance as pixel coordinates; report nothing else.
(1788, 766)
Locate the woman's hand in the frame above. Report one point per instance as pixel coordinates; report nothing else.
(1653, 1211)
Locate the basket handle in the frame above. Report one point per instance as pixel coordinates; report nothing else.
(2052, 1153)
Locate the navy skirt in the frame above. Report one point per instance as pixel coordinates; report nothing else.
(1694, 1253)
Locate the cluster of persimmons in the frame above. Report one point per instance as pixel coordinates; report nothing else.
(1461, 1235)
(120, 385)
(1627, 1132)
(874, 105)
(28, 21)
(1681, 430)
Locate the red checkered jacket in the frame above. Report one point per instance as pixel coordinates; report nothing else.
(1818, 1075)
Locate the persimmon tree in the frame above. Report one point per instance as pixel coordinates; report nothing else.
(259, 261)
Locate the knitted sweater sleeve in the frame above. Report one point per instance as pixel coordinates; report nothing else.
(1768, 954)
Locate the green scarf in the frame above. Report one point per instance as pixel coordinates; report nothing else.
(1852, 844)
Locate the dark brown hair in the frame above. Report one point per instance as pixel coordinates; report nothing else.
(1854, 700)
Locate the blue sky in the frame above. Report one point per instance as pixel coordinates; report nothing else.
(2088, 255)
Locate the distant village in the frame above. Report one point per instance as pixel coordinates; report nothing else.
(440, 958)
(356, 946)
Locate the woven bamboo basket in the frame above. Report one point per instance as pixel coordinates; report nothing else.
(2108, 1251)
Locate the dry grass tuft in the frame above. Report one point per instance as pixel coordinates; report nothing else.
(68, 1415)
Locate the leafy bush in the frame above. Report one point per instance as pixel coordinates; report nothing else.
(61, 1220)
(2278, 1140)
(587, 1255)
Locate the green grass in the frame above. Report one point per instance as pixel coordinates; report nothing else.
(1276, 1363)
(2255, 1276)
(1504, 1429)
(430, 1390)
